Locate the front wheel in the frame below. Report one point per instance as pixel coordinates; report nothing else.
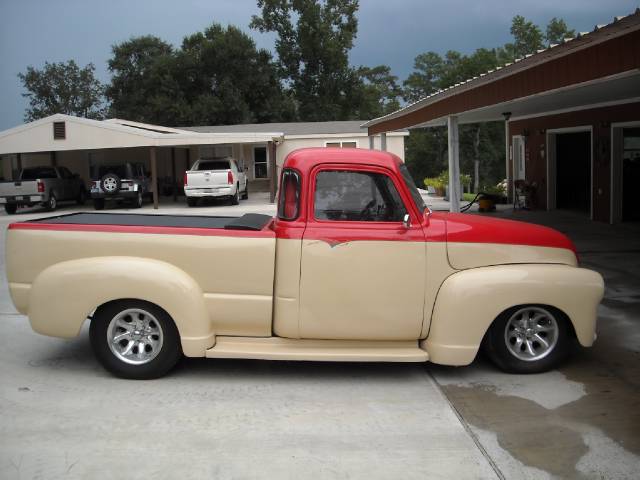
(10, 208)
(192, 201)
(528, 339)
(245, 194)
(138, 201)
(135, 339)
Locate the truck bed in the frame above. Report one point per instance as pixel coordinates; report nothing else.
(249, 221)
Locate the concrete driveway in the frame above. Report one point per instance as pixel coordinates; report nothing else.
(63, 416)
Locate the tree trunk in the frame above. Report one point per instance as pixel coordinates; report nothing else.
(476, 161)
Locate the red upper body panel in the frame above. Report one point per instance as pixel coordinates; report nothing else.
(425, 226)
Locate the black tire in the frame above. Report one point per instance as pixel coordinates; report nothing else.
(245, 194)
(110, 184)
(192, 201)
(98, 203)
(235, 199)
(499, 345)
(159, 362)
(82, 197)
(52, 203)
(138, 201)
(10, 208)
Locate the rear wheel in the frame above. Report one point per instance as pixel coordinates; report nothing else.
(135, 339)
(98, 203)
(10, 208)
(235, 199)
(82, 197)
(52, 203)
(137, 202)
(528, 339)
(192, 201)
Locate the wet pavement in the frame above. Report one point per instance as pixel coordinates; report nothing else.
(582, 420)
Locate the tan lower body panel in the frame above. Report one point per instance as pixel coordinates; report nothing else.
(276, 348)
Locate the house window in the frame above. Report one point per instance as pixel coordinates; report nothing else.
(340, 144)
(260, 167)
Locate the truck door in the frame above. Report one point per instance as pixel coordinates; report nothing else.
(362, 268)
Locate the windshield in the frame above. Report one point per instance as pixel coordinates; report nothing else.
(119, 170)
(214, 165)
(411, 185)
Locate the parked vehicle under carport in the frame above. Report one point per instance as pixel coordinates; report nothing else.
(123, 182)
(44, 186)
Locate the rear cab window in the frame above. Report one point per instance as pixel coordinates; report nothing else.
(289, 200)
(214, 165)
(36, 173)
(343, 195)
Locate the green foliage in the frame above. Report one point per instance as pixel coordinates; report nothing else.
(557, 31)
(313, 42)
(62, 87)
(217, 77)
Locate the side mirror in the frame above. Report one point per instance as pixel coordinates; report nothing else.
(406, 221)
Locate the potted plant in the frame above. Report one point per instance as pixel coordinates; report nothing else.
(436, 183)
(489, 196)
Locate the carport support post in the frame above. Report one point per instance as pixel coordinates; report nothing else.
(271, 157)
(383, 142)
(173, 174)
(154, 175)
(454, 164)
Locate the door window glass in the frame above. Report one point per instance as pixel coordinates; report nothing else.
(357, 196)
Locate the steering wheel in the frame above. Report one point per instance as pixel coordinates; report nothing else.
(366, 213)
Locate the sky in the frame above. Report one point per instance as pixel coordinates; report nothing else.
(390, 32)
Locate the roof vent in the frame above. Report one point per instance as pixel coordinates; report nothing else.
(59, 131)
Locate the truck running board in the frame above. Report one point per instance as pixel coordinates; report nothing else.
(276, 348)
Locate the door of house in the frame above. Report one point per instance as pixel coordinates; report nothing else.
(260, 165)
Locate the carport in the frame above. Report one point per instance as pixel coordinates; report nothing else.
(80, 143)
(571, 114)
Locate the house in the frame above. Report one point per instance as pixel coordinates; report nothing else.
(572, 120)
(82, 144)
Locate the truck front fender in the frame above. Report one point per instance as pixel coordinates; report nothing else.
(470, 300)
(63, 295)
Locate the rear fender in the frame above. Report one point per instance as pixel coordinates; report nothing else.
(64, 294)
(470, 300)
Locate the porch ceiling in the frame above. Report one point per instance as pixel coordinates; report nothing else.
(620, 88)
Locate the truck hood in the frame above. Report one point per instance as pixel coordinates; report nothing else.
(475, 241)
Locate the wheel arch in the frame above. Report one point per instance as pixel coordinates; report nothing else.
(96, 281)
(469, 301)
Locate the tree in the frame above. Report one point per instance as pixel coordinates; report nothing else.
(62, 87)
(142, 76)
(217, 77)
(313, 41)
(229, 80)
(557, 31)
(379, 92)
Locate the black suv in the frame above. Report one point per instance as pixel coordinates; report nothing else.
(127, 181)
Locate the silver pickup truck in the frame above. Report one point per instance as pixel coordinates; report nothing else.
(44, 186)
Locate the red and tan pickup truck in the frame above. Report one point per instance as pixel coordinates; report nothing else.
(354, 267)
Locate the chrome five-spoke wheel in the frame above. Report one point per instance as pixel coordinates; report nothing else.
(135, 336)
(531, 333)
(135, 339)
(529, 338)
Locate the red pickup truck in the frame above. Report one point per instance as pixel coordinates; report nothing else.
(354, 267)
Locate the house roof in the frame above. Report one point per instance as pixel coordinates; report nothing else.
(87, 134)
(289, 129)
(458, 97)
